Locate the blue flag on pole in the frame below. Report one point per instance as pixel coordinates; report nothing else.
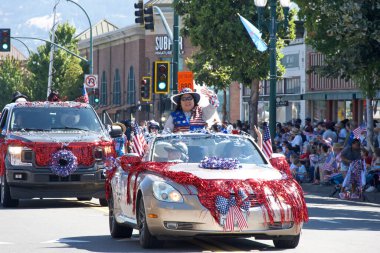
(255, 34)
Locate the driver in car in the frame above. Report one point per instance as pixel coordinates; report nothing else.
(177, 152)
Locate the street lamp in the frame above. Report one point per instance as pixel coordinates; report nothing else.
(90, 62)
(273, 53)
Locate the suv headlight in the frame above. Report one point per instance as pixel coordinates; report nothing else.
(20, 156)
(165, 192)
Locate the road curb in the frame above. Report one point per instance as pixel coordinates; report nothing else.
(327, 190)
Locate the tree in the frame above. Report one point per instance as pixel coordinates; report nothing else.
(67, 73)
(13, 77)
(347, 32)
(215, 28)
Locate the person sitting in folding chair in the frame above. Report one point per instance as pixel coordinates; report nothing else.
(352, 187)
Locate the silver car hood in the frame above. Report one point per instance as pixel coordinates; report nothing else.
(247, 171)
(62, 136)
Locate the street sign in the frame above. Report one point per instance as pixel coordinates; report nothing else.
(185, 80)
(282, 103)
(91, 81)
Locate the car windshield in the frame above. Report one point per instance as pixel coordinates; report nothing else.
(54, 118)
(194, 148)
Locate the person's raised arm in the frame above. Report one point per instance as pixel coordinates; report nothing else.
(259, 137)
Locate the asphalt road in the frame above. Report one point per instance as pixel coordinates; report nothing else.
(67, 225)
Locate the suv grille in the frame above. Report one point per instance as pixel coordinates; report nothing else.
(71, 178)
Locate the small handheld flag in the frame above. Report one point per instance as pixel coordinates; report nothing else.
(267, 142)
(255, 34)
(85, 94)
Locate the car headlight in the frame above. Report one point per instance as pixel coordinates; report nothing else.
(20, 156)
(165, 192)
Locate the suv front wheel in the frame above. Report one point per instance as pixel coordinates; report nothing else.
(5, 194)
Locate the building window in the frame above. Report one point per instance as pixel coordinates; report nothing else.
(103, 89)
(131, 89)
(292, 85)
(116, 88)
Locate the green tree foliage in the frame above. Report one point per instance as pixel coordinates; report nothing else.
(347, 32)
(225, 48)
(67, 69)
(13, 77)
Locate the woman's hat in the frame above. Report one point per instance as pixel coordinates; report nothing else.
(177, 97)
(123, 127)
(18, 95)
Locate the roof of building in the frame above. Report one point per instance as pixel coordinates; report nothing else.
(159, 2)
(15, 53)
(103, 26)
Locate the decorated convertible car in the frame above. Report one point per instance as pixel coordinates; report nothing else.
(203, 185)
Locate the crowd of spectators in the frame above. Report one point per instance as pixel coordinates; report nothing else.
(325, 152)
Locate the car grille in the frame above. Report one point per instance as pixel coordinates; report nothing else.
(71, 178)
(252, 200)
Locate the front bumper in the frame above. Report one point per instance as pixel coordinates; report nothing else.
(192, 219)
(41, 183)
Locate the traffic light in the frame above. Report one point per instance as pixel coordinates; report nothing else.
(139, 13)
(148, 18)
(161, 77)
(5, 40)
(146, 89)
(96, 96)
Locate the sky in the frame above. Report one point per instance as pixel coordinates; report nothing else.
(34, 18)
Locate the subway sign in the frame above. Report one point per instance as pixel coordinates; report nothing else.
(164, 45)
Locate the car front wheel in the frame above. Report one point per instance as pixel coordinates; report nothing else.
(116, 230)
(290, 243)
(103, 202)
(5, 197)
(147, 240)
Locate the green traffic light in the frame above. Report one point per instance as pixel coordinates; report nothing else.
(96, 100)
(5, 46)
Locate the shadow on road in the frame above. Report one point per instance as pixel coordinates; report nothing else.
(107, 244)
(53, 203)
(334, 214)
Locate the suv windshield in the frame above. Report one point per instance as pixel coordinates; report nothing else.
(194, 148)
(52, 118)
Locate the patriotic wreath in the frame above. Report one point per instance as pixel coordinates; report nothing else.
(63, 163)
(217, 163)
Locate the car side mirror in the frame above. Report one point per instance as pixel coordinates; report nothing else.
(116, 131)
(130, 159)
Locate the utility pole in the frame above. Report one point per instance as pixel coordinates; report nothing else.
(52, 49)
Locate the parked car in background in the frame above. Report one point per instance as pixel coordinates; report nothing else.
(52, 150)
(193, 184)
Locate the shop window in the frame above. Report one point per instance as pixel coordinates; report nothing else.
(103, 89)
(116, 88)
(131, 89)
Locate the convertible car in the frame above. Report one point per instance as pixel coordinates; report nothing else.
(195, 185)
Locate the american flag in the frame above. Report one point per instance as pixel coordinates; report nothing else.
(267, 143)
(358, 131)
(139, 141)
(84, 94)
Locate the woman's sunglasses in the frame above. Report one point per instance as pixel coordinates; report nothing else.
(187, 98)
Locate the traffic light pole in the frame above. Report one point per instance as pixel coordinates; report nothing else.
(175, 50)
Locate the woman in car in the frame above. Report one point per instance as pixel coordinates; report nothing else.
(188, 115)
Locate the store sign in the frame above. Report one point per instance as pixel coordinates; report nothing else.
(164, 45)
(282, 103)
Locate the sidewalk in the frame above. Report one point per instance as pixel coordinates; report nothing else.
(327, 190)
